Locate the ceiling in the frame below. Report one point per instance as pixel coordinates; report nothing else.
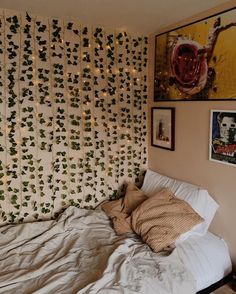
(137, 16)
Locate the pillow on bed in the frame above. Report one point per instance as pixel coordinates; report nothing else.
(119, 210)
(198, 198)
(112, 208)
(120, 220)
(162, 218)
(133, 197)
(121, 224)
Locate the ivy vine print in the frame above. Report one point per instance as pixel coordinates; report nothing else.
(73, 111)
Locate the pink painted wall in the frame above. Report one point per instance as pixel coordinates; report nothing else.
(189, 161)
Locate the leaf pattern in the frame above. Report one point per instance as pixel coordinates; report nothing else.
(73, 106)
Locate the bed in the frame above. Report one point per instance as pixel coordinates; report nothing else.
(81, 253)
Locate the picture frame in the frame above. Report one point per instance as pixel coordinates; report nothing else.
(163, 127)
(196, 61)
(222, 142)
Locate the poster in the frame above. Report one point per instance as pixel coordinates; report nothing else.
(223, 136)
(197, 61)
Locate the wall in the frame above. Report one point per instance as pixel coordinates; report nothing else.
(72, 114)
(189, 161)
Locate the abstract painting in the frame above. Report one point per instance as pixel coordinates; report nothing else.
(197, 61)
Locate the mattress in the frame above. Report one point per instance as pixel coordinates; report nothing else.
(206, 257)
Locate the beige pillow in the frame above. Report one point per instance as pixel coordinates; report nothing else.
(112, 208)
(162, 218)
(120, 220)
(133, 198)
(119, 210)
(121, 224)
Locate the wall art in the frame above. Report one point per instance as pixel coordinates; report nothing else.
(223, 136)
(73, 104)
(197, 61)
(163, 128)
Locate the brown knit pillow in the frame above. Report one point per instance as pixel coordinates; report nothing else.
(112, 208)
(133, 198)
(120, 220)
(162, 218)
(119, 210)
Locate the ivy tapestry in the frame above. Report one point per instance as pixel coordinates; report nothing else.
(72, 114)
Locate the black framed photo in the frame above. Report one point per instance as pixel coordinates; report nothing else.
(163, 127)
(222, 145)
(197, 62)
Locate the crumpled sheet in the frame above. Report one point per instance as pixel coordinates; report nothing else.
(80, 253)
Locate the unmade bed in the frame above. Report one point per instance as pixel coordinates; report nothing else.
(81, 253)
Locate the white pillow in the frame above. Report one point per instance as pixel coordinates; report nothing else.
(197, 197)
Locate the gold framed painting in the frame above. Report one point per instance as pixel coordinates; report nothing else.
(197, 61)
(163, 127)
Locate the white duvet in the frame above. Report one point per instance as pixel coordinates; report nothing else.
(80, 253)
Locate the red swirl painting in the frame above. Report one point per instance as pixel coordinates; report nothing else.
(197, 61)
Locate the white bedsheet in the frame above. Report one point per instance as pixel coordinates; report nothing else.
(80, 253)
(207, 257)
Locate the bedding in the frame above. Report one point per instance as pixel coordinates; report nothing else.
(80, 253)
(162, 218)
(133, 198)
(197, 197)
(159, 219)
(120, 220)
(119, 210)
(206, 257)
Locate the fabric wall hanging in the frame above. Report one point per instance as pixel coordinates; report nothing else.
(72, 114)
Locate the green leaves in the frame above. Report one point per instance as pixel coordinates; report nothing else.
(74, 108)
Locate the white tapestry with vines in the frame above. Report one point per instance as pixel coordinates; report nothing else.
(72, 114)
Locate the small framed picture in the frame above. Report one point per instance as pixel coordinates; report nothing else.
(163, 128)
(222, 147)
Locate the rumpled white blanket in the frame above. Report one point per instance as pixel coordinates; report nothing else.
(80, 253)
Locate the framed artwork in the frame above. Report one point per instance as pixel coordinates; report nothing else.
(223, 136)
(197, 61)
(163, 128)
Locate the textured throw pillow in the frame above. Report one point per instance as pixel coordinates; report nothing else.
(120, 220)
(112, 208)
(133, 198)
(162, 218)
(119, 210)
(121, 224)
(198, 198)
